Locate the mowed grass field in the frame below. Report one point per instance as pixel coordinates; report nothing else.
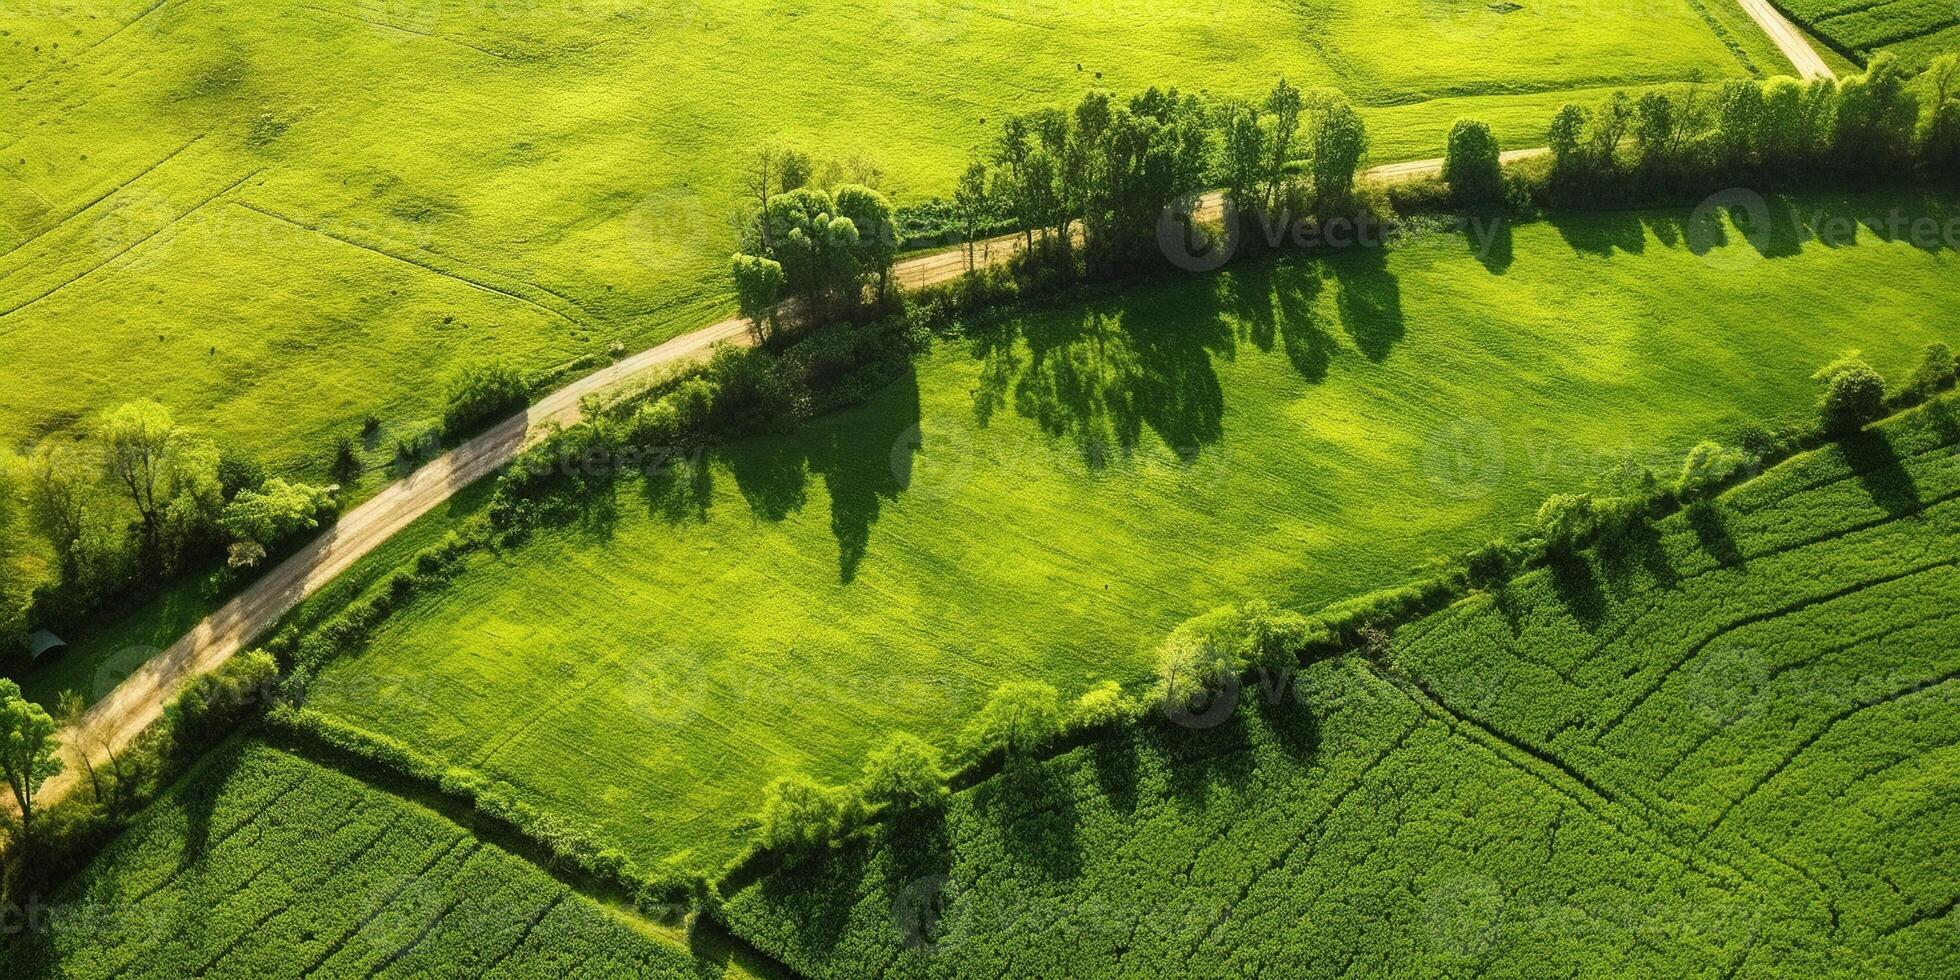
(279, 217)
(1048, 500)
(1726, 750)
(261, 864)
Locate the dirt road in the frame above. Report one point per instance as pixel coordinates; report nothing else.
(138, 701)
(1789, 39)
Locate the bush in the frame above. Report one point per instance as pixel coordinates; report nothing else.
(1854, 395)
(1709, 465)
(801, 814)
(1470, 164)
(1192, 667)
(904, 774)
(1935, 373)
(1019, 719)
(214, 703)
(1101, 706)
(1566, 518)
(480, 394)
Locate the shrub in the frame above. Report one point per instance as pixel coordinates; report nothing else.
(1101, 706)
(799, 813)
(1935, 372)
(1018, 719)
(275, 513)
(214, 703)
(1709, 465)
(904, 774)
(1270, 637)
(1470, 165)
(1191, 667)
(480, 394)
(1854, 395)
(1566, 518)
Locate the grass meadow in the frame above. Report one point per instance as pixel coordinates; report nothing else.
(1047, 499)
(262, 864)
(1726, 748)
(279, 217)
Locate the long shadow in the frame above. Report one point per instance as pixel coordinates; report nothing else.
(1600, 233)
(1884, 477)
(1578, 588)
(1705, 519)
(921, 853)
(1274, 301)
(1638, 546)
(1034, 808)
(1490, 241)
(863, 455)
(1370, 301)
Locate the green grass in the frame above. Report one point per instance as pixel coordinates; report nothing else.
(1916, 30)
(260, 863)
(1724, 748)
(279, 244)
(1049, 500)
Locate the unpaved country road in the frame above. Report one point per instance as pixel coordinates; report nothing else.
(138, 701)
(1789, 39)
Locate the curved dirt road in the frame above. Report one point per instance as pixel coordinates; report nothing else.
(138, 701)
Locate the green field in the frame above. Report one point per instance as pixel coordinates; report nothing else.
(262, 864)
(278, 217)
(1047, 500)
(1727, 749)
(1916, 30)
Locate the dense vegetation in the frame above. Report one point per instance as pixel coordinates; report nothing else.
(1916, 30)
(260, 863)
(1719, 743)
(1044, 499)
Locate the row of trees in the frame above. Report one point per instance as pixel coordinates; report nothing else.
(144, 498)
(1874, 123)
(906, 776)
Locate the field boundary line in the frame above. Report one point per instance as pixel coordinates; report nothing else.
(111, 192)
(111, 260)
(426, 267)
(333, 949)
(1819, 735)
(1756, 619)
(384, 25)
(85, 52)
(1788, 38)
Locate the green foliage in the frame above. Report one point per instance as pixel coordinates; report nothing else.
(1722, 738)
(903, 774)
(1101, 706)
(800, 814)
(481, 393)
(277, 513)
(297, 863)
(758, 288)
(1340, 145)
(212, 704)
(28, 744)
(1019, 718)
(1470, 163)
(1854, 395)
(1936, 372)
(1565, 519)
(1708, 466)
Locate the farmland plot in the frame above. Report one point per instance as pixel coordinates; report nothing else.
(1751, 773)
(1047, 500)
(277, 217)
(1916, 30)
(263, 864)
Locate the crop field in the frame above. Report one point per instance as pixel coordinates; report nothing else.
(264, 864)
(1916, 30)
(1047, 501)
(279, 217)
(1726, 750)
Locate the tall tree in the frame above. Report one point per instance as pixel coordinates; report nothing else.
(972, 206)
(1284, 105)
(1471, 165)
(136, 438)
(27, 749)
(758, 288)
(1340, 144)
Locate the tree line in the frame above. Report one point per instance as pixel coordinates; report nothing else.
(142, 499)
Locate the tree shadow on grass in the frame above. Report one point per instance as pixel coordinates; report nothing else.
(1034, 809)
(1114, 759)
(1490, 241)
(1275, 301)
(1705, 519)
(1600, 233)
(921, 853)
(1636, 546)
(1578, 588)
(1881, 473)
(863, 454)
(1370, 301)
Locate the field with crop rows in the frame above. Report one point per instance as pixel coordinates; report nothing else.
(1916, 30)
(1048, 501)
(277, 217)
(263, 864)
(1726, 750)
